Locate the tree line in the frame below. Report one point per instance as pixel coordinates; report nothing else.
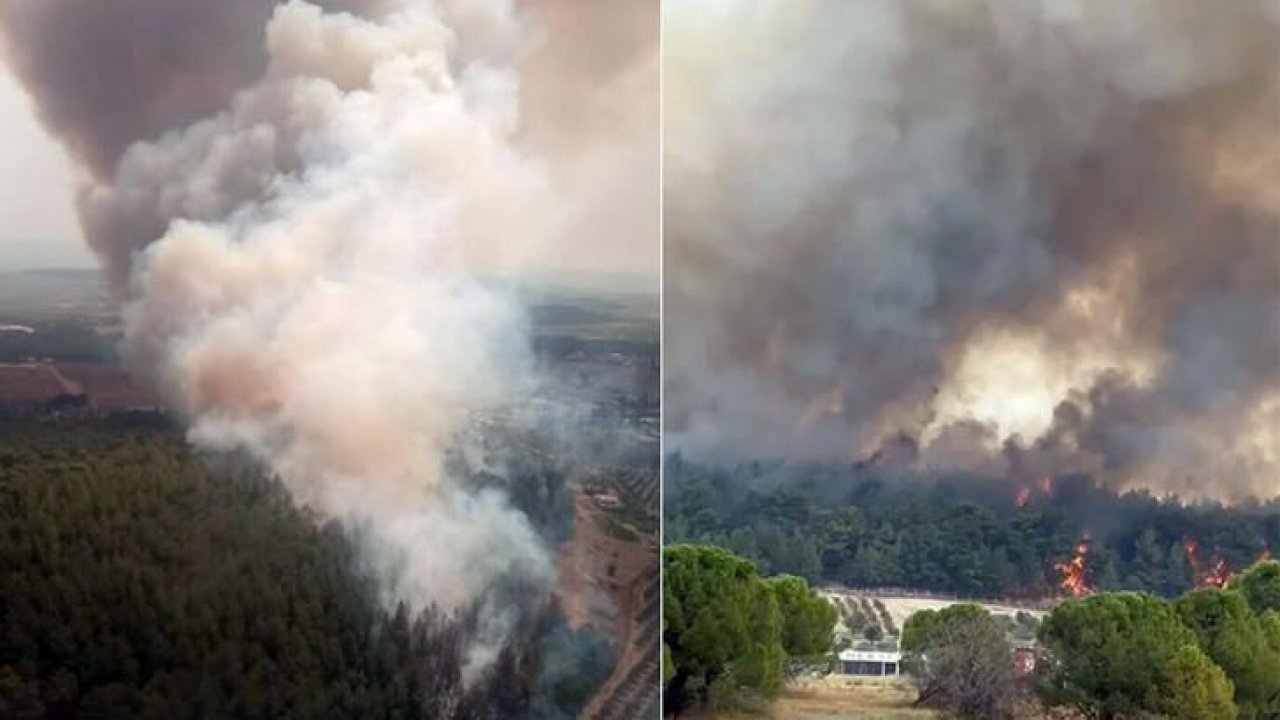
(959, 535)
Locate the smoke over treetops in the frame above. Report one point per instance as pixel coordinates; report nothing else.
(300, 203)
(1033, 237)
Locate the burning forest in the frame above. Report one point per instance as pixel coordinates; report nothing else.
(865, 526)
(1074, 572)
(980, 300)
(1032, 238)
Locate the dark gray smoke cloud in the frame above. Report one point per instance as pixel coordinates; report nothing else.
(107, 75)
(868, 204)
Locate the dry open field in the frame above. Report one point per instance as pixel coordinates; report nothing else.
(842, 698)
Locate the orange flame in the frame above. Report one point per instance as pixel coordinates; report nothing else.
(1192, 550)
(1046, 485)
(1024, 496)
(1043, 486)
(1218, 574)
(1073, 572)
(1265, 555)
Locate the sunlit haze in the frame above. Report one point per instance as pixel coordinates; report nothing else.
(38, 225)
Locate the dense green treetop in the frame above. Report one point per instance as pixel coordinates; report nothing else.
(1236, 639)
(720, 618)
(1190, 687)
(920, 628)
(1110, 649)
(1260, 585)
(727, 631)
(807, 617)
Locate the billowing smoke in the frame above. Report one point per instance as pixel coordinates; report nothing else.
(315, 213)
(1032, 237)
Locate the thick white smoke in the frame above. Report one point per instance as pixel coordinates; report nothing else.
(329, 317)
(970, 220)
(320, 272)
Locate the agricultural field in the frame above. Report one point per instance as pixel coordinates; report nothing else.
(881, 617)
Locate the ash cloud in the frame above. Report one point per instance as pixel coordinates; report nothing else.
(316, 213)
(912, 217)
(107, 75)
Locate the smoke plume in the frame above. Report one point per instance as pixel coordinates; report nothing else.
(314, 211)
(1033, 237)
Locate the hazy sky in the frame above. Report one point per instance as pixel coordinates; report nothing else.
(38, 225)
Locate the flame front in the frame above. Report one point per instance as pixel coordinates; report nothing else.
(1043, 487)
(1073, 572)
(1218, 574)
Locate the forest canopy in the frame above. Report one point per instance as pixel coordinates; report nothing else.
(138, 580)
(1211, 653)
(969, 536)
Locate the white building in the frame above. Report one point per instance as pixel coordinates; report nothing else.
(875, 663)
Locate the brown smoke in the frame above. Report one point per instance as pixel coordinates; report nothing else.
(974, 220)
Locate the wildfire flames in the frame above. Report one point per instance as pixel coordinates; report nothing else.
(1024, 496)
(1073, 572)
(1216, 574)
(1043, 486)
(1219, 572)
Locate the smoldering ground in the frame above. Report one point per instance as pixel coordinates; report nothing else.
(312, 211)
(1034, 237)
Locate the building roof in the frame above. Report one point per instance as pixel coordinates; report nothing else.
(869, 656)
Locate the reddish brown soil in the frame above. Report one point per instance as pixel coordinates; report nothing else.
(601, 579)
(104, 387)
(108, 387)
(33, 383)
